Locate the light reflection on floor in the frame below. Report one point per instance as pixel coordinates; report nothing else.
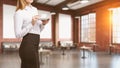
(71, 59)
(90, 61)
(115, 63)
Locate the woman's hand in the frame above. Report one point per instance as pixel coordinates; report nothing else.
(34, 19)
(45, 21)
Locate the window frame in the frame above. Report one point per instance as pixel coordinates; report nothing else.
(80, 29)
(66, 39)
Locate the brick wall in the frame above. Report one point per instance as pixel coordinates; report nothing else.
(1, 20)
(102, 25)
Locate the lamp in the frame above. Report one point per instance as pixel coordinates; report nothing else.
(52, 12)
(84, 1)
(65, 7)
(77, 17)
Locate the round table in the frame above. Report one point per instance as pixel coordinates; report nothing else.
(83, 49)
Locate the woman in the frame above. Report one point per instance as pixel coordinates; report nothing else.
(28, 26)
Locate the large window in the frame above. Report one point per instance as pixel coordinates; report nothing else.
(88, 28)
(116, 25)
(8, 21)
(65, 26)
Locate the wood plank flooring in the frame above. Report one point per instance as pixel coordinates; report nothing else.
(71, 59)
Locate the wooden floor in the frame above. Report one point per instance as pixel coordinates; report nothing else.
(71, 59)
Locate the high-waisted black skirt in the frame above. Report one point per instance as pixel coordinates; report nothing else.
(28, 51)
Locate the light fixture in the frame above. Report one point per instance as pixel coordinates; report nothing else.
(84, 1)
(65, 7)
(52, 12)
(110, 9)
(77, 17)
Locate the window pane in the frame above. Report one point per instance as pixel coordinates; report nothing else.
(64, 26)
(88, 28)
(116, 25)
(8, 21)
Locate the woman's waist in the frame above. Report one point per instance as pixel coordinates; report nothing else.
(32, 35)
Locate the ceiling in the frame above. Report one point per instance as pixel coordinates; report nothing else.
(72, 4)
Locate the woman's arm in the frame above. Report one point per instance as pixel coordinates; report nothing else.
(18, 21)
(44, 22)
(41, 27)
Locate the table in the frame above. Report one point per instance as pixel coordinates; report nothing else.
(63, 50)
(85, 48)
(43, 51)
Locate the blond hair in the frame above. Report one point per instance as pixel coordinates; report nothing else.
(21, 4)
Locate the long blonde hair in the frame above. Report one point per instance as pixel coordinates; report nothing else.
(21, 4)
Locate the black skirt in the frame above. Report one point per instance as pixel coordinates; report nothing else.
(28, 51)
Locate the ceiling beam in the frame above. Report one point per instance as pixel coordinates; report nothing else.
(50, 8)
(43, 6)
(96, 5)
(10, 2)
(38, 5)
(64, 3)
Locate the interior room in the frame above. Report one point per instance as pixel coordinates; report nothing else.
(79, 34)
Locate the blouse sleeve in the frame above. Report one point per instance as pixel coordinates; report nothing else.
(40, 22)
(41, 27)
(18, 23)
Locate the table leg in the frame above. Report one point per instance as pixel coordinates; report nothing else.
(110, 51)
(41, 62)
(83, 54)
(63, 51)
(93, 48)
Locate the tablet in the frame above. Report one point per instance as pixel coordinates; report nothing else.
(44, 17)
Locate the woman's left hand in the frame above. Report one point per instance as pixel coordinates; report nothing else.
(45, 21)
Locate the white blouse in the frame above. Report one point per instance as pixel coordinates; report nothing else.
(23, 22)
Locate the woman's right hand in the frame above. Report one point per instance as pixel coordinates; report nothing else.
(34, 19)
